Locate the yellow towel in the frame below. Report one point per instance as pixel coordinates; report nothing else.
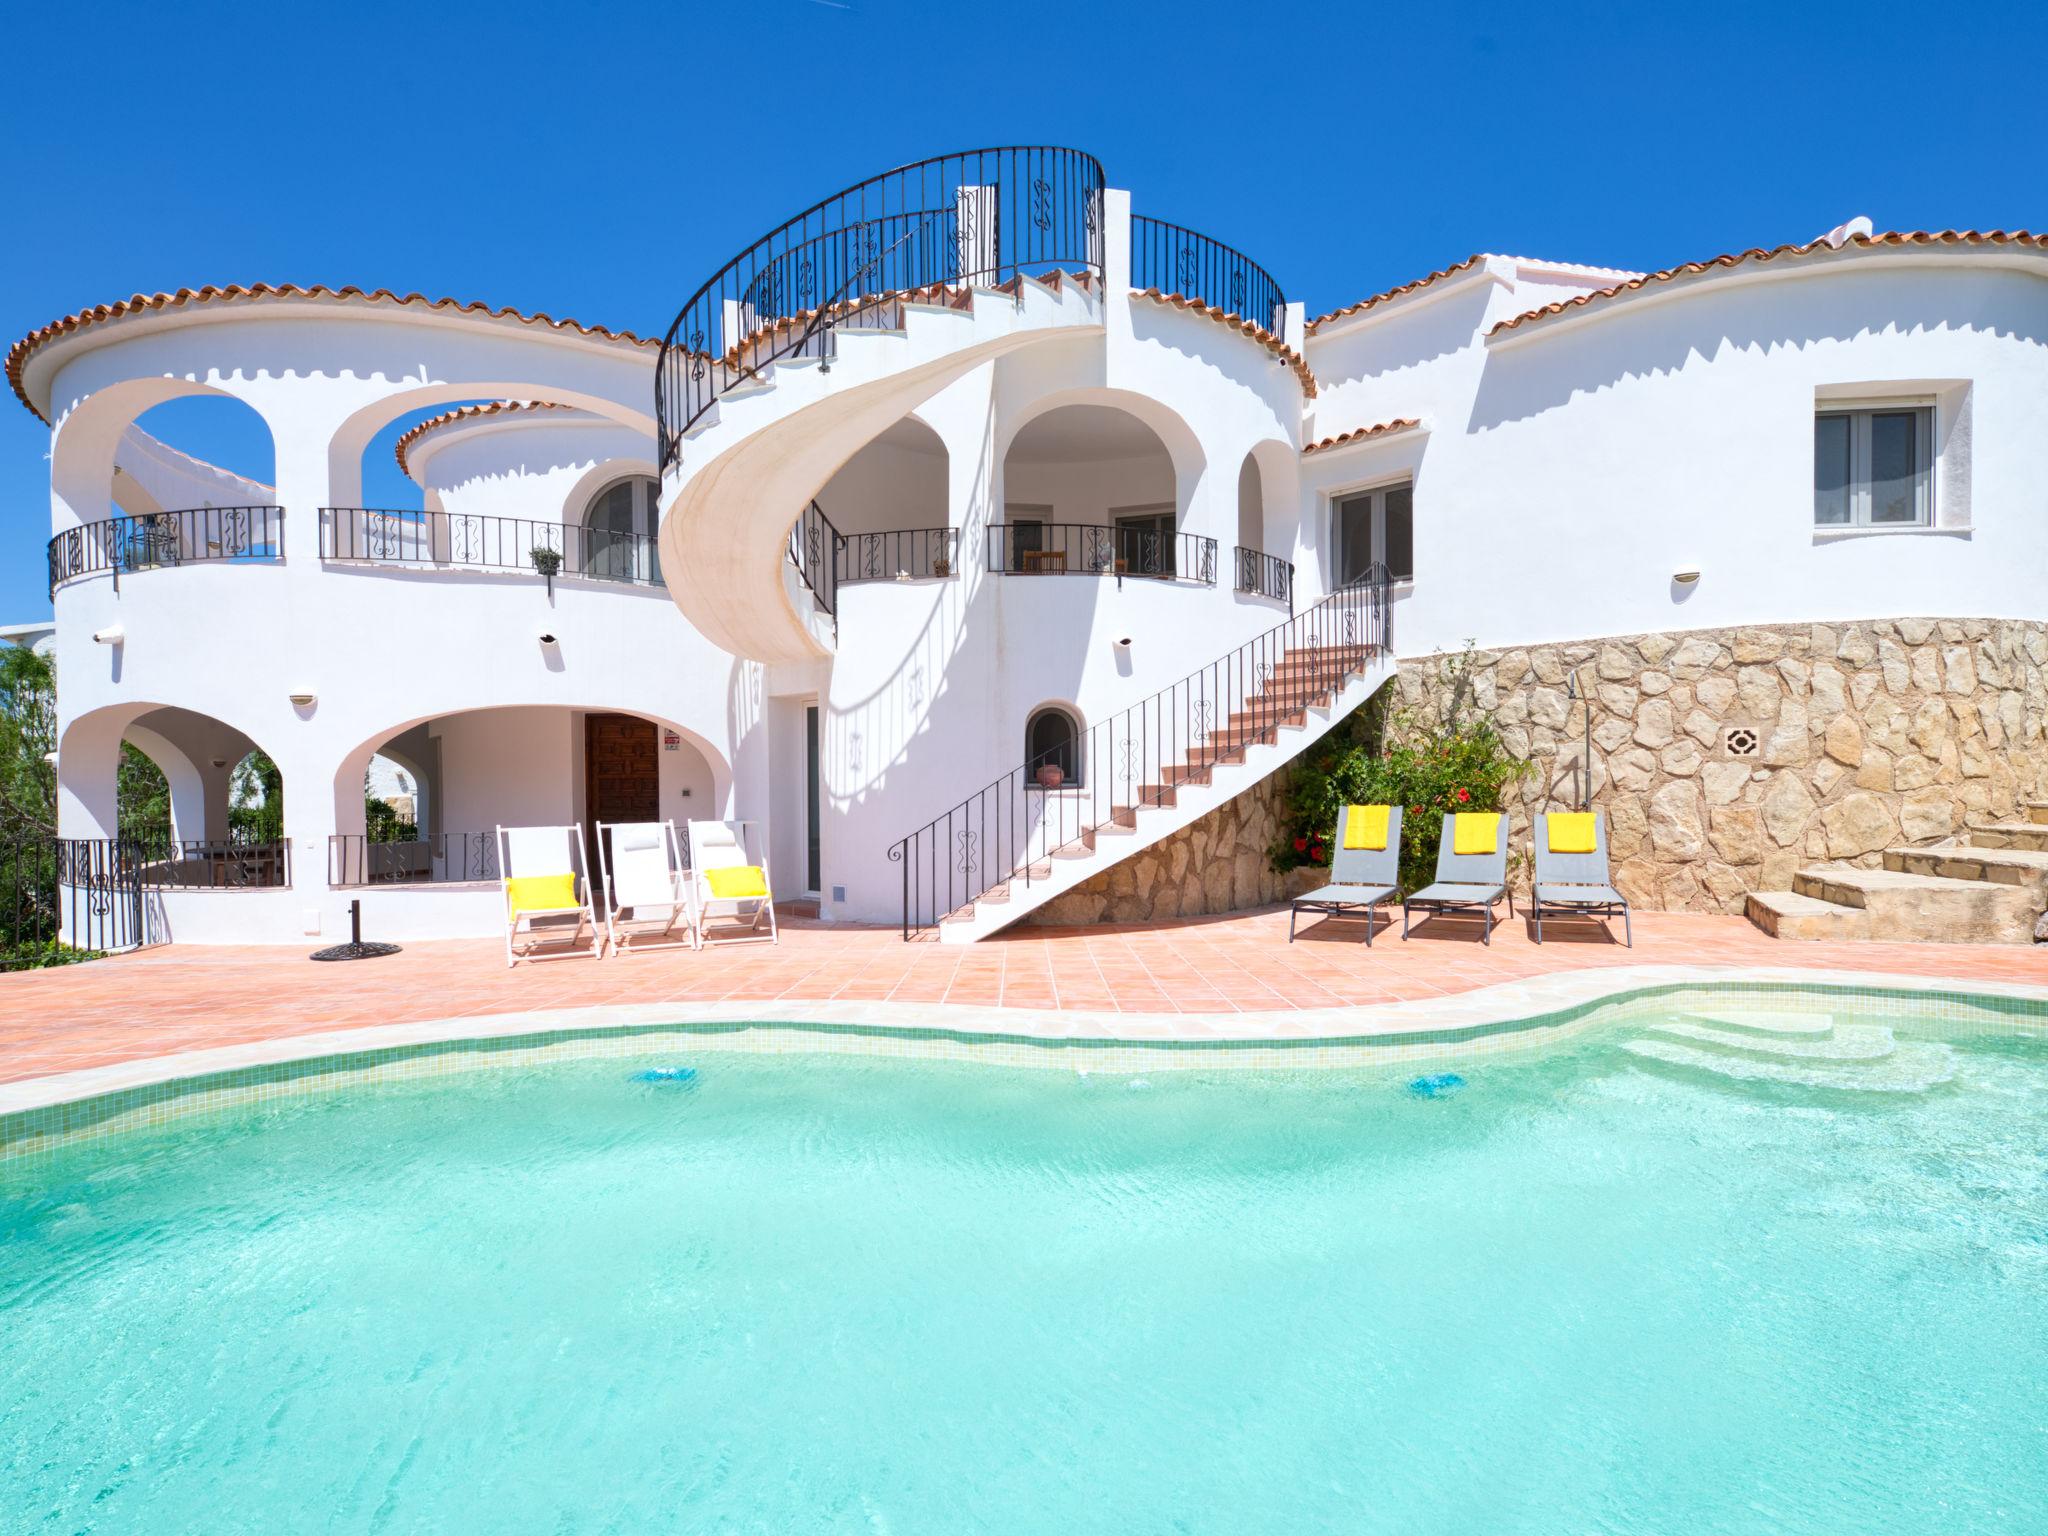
(539, 893)
(737, 882)
(1570, 831)
(1476, 832)
(1365, 826)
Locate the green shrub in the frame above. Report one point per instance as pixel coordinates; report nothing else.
(1439, 755)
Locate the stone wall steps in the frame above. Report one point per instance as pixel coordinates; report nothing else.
(1925, 908)
(2037, 811)
(2011, 834)
(1791, 915)
(1962, 861)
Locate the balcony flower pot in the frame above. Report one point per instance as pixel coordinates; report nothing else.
(942, 569)
(1051, 776)
(547, 561)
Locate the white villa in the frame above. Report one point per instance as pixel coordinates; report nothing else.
(983, 468)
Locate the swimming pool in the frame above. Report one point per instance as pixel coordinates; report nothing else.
(1711, 1266)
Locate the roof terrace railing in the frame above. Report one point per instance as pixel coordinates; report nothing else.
(980, 217)
(155, 540)
(1100, 549)
(1177, 260)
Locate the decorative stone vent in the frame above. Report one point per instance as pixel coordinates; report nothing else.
(1740, 741)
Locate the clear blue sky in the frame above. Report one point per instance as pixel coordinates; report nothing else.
(602, 161)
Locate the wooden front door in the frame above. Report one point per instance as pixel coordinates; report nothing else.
(621, 772)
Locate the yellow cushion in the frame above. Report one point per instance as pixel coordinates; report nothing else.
(540, 893)
(1570, 831)
(737, 883)
(1475, 832)
(1365, 826)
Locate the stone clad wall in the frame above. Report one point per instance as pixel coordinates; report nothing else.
(1727, 759)
(1216, 864)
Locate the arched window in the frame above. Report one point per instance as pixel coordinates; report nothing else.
(622, 520)
(1051, 738)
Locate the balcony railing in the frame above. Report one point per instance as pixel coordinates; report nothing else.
(910, 554)
(1264, 575)
(441, 858)
(1176, 260)
(465, 541)
(1099, 549)
(982, 217)
(153, 540)
(213, 864)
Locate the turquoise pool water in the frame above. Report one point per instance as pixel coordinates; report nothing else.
(1592, 1290)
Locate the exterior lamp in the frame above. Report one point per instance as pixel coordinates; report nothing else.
(304, 699)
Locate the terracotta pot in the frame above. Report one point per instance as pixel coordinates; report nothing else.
(1051, 776)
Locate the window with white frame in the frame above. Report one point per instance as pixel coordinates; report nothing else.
(1376, 527)
(1873, 464)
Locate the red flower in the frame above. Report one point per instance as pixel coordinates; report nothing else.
(1301, 845)
(1315, 852)
(1464, 795)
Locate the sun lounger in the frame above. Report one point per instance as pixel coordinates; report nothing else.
(1470, 881)
(1365, 867)
(1572, 877)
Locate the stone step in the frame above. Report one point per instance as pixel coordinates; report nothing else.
(1789, 915)
(2037, 811)
(1924, 908)
(1961, 861)
(2010, 834)
(1851, 1042)
(1768, 1024)
(1910, 1067)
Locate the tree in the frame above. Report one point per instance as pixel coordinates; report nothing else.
(28, 736)
(256, 800)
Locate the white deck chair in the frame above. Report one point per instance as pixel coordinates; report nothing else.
(540, 870)
(717, 846)
(641, 870)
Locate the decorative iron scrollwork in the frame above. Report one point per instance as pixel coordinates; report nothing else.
(1041, 203)
(968, 852)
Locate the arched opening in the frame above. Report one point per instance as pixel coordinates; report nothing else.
(1263, 566)
(1090, 489)
(890, 506)
(472, 771)
(198, 801)
(1251, 506)
(1052, 741)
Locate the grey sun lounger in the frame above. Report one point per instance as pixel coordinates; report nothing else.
(1576, 884)
(1360, 878)
(1465, 882)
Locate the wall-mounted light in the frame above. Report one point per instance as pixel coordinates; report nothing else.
(113, 634)
(220, 762)
(547, 640)
(50, 758)
(1685, 578)
(304, 700)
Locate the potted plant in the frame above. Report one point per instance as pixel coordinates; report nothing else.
(547, 560)
(1051, 776)
(942, 567)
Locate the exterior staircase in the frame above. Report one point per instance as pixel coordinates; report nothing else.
(1990, 888)
(1161, 765)
(832, 327)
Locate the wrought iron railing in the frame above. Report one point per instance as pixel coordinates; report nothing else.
(431, 859)
(814, 551)
(1265, 575)
(214, 864)
(981, 217)
(1007, 831)
(910, 554)
(466, 541)
(154, 540)
(1176, 260)
(1100, 549)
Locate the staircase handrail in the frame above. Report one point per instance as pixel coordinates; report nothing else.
(1185, 729)
(1044, 204)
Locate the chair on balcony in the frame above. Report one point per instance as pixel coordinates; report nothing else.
(1364, 871)
(1471, 871)
(725, 888)
(1572, 878)
(545, 874)
(641, 869)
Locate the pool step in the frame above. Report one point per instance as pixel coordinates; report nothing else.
(1910, 1067)
(1765, 1022)
(1851, 1042)
(1921, 908)
(1790, 915)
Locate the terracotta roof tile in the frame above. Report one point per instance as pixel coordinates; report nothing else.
(1757, 254)
(143, 303)
(466, 413)
(1360, 434)
(1251, 328)
(1394, 293)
